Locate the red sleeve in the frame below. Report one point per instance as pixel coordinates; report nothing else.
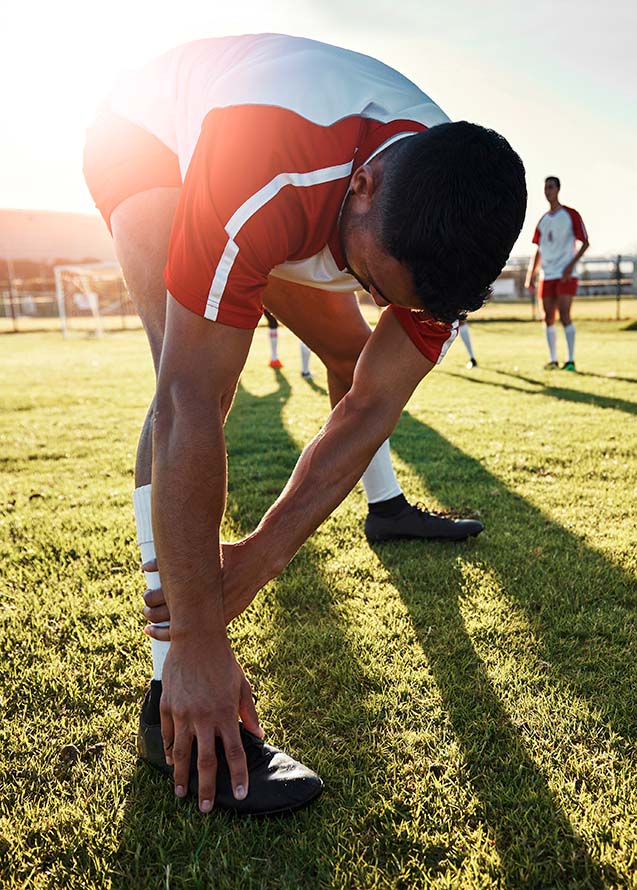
(264, 186)
(536, 236)
(579, 229)
(432, 338)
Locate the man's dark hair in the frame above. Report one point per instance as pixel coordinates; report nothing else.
(555, 180)
(452, 206)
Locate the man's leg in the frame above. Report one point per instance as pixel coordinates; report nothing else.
(273, 332)
(564, 306)
(549, 303)
(334, 328)
(141, 228)
(306, 354)
(466, 339)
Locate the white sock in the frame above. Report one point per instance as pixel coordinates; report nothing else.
(552, 342)
(144, 523)
(274, 343)
(569, 333)
(379, 480)
(306, 352)
(466, 339)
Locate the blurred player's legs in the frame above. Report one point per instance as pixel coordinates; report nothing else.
(306, 352)
(466, 339)
(548, 297)
(557, 295)
(273, 332)
(565, 301)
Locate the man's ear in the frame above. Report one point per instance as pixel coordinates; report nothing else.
(362, 187)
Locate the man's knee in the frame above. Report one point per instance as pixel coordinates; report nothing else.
(342, 368)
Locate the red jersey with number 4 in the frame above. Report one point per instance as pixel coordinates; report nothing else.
(268, 130)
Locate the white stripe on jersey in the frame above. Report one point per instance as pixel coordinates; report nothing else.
(452, 336)
(254, 203)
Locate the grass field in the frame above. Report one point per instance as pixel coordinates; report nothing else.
(471, 708)
(589, 308)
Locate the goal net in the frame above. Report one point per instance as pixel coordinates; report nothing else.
(93, 297)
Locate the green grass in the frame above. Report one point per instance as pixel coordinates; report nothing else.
(471, 708)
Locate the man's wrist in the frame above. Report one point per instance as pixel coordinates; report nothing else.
(203, 625)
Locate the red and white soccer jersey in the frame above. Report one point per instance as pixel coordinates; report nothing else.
(555, 235)
(267, 130)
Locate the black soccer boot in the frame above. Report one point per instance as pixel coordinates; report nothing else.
(414, 522)
(278, 784)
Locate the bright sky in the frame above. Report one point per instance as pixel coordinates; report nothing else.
(556, 77)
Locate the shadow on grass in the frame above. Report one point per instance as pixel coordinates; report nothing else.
(316, 387)
(317, 692)
(580, 626)
(555, 392)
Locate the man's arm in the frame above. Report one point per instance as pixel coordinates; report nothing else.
(202, 682)
(531, 273)
(568, 271)
(388, 370)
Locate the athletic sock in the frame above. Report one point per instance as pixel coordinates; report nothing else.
(143, 521)
(274, 343)
(466, 339)
(552, 342)
(379, 480)
(306, 352)
(389, 508)
(569, 333)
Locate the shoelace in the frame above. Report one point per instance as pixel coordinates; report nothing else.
(441, 514)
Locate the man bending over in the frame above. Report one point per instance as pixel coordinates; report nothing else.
(275, 171)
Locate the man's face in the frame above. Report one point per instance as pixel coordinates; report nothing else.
(550, 191)
(383, 277)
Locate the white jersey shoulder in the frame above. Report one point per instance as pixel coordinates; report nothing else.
(172, 95)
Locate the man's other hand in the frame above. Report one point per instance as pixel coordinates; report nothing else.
(240, 584)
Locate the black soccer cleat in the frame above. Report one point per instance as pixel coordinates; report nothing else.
(551, 366)
(414, 522)
(278, 784)
(472, 363)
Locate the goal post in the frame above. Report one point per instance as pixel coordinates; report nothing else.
(89, 295)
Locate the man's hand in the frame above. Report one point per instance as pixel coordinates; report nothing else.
(567, 273)
(203, 690)
(240, 584)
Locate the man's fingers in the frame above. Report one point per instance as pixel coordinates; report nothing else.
(236, 757)
(154, 598)
(155, 609)
(156, 615)
(248, 710)
(157, 632)
(150, 566)
(167, 734)
(206, 770)
(181, 751)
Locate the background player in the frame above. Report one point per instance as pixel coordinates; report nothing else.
(556, 235)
